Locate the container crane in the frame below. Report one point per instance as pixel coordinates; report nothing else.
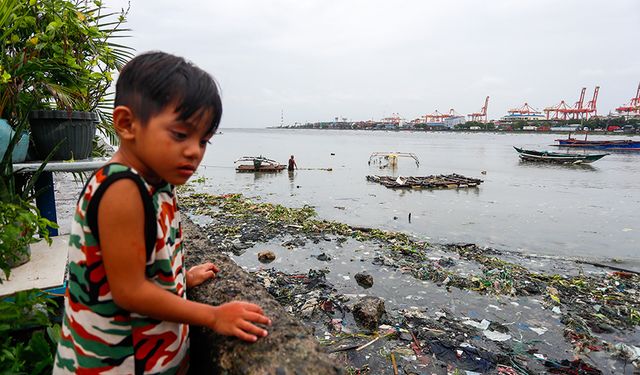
(579, 111)
(526, 109)
(557, 110)
(572, 113)
(633, 108)
(482, 115)
(592, 109)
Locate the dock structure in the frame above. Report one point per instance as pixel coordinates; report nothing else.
(451, 181)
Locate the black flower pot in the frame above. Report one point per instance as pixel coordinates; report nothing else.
(73, 130)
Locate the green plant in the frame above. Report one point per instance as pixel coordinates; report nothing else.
(29, 338)
(62, 53)
(19, 219)
(19, 222)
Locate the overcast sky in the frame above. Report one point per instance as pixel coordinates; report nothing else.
(366, 59)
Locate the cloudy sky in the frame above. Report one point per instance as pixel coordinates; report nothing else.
(366, 59)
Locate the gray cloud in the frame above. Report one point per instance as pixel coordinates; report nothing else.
(366, 59)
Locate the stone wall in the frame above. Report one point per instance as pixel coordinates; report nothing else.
(290, 348)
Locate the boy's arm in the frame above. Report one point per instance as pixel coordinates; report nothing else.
(121, 226)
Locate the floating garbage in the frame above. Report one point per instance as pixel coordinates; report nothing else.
(451, 181)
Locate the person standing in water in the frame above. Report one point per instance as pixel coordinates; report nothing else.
(292, 164)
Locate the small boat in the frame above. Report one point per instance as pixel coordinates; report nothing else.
(614, 144)
(258, 164)
(390, 159)
(557, 157)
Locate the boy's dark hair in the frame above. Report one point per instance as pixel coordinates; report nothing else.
(153, 80)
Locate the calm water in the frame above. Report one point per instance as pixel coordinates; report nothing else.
(577, 211)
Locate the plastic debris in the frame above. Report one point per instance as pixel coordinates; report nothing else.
(539, 330)
(483, 325)
(496, 336)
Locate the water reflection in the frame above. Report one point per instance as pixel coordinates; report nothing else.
(578, 167)
(461, 191)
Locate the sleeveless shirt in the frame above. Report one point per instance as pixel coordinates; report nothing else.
(98, 336)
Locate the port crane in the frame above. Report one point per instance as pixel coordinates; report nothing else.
(557, 110)
(592, 109)
(526, 109)
(482, 115)
(633, 108)
(579, 111)
(437, 116)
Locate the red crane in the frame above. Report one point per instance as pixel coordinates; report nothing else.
(558, 111)
(578, 111)
(437, 116)
(526, 109)
(482, 115)
(591, 105)
(633, 108)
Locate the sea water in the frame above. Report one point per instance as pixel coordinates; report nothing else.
(589, 211)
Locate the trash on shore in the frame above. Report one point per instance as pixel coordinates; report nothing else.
(590, 312)
(451, 181)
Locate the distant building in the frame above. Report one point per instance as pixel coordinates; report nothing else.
(526, 117)
(567, 128)
(451, 122)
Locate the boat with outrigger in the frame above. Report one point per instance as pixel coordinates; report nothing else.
(390, 159)
(557, 157)
(257, 164)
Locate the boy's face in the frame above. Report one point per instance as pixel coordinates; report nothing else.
(170, 149)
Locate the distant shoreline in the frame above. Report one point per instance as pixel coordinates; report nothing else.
(559, 132)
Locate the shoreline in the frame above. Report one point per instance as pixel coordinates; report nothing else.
(436, 293)
(479, 131)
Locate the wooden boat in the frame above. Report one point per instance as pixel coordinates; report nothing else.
(614, 144)
(557, 157)
(258, 164)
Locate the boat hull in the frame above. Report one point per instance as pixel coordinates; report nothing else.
(555, 157)
(619, 144)
(263, 168)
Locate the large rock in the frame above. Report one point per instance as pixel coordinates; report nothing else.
(290, 348)
(368, 311)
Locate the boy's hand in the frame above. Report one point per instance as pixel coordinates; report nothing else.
(236, 319)
(196, 275)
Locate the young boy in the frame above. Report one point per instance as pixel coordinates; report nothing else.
(126, 310)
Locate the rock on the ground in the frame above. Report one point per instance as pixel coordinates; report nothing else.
(266, 256)
(364, 279)
(290, 348)
(324, 257)
(368, 311)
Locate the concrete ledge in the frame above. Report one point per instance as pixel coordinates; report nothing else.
(45, 269)
(290, 347)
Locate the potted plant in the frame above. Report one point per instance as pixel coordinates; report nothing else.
(20, 220)
(65, 49)
(10, 84)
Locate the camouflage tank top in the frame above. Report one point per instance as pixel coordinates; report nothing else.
(98, 336)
